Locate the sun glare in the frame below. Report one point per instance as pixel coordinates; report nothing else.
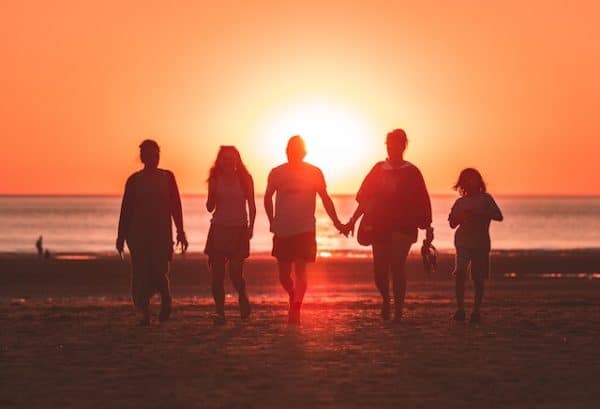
(336, 138)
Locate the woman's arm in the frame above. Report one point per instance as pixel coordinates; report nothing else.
(211, 199)
(495, 213)
(251, 206)
(349, 227)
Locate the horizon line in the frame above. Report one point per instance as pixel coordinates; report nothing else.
(516, 195)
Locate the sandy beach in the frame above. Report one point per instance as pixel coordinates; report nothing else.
(68, 339)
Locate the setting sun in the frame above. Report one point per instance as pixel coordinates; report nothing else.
(337, 138)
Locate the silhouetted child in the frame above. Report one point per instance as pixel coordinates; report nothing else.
(472, 213)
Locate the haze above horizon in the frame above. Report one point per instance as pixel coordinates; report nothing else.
(509, 88)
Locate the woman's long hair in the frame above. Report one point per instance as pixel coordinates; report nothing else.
(463, 185)
(240, 169)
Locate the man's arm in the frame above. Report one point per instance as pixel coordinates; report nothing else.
(330, 209)
(125, 216)
(177, 213)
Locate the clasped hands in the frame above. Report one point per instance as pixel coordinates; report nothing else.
(345, 229)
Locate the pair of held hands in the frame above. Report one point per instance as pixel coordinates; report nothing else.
(345, 229)
(181, 241)
(348, 229)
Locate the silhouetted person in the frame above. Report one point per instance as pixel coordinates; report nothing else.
(150, 200)
(472, 213)
(395, 204)
(230, 190)
(293, 223)
(40, 246)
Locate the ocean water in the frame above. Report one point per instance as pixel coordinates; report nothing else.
(89, 223)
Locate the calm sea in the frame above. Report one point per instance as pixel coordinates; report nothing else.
(89, 223)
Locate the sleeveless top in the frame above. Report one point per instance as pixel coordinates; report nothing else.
(230, 204)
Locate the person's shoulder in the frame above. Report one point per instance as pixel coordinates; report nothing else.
(280, 168)
(167, 173)
(277, 170)
(377, 166)
(312, 168)
(459, 200)
(411, 167)
(132, 178)
(246, 178)
(487, 196)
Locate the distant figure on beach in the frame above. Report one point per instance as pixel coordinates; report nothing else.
(150, 201)
(472, 213)
(39, 245)
(394, 204)
(296, 184)
(230, 191)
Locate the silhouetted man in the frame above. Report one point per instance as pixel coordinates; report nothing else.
(293, 222)
(150, 201)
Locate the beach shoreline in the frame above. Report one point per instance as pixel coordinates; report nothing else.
(81, 274)
(69, 338)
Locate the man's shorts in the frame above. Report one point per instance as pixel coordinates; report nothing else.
(301, 246)
(477, 261)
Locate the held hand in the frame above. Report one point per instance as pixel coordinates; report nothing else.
(341, 228)
(350, 227)
(182, 239)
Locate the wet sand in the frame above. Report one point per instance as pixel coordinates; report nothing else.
(69, 340)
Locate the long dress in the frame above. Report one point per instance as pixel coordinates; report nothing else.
(150, 200)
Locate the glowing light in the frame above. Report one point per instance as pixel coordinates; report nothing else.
(336, 137)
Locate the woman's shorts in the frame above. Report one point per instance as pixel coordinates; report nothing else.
(228, 242)
(477, 261)
(301, 246)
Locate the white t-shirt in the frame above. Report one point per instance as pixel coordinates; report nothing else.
(296, 187)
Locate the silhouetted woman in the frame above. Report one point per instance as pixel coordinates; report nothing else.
(395, 203)
(231, 200)
(150, 200)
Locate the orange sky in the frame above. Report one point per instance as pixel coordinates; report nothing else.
(509, 88)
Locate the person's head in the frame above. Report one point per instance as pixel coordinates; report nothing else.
(296, 149)
(470, 182)
(396, 142)
(149, 153)
(228, 160)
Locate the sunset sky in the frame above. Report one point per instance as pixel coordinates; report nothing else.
(510, 87)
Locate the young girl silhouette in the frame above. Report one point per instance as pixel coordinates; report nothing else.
(472, 214)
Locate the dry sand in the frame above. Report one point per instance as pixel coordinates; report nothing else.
(537, 347)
